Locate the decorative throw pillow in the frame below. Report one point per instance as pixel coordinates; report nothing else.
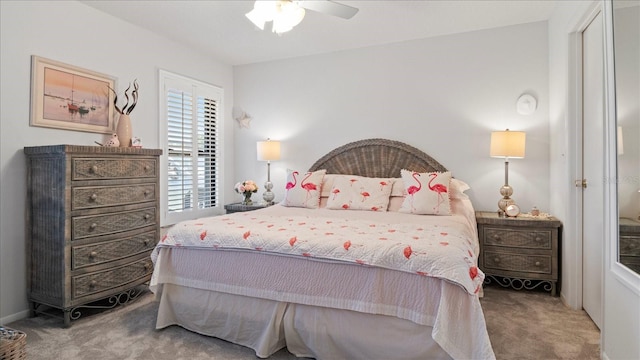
(303, 190)
(457, 189)
(350, 192)
(427, 193)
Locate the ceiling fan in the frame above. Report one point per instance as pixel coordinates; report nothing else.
(286, 14)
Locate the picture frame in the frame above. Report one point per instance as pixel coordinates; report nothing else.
(68, 97)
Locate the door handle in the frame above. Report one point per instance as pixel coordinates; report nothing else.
(581, 183)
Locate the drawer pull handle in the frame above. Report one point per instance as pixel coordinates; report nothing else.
(147, 216)
(93, 284)
(147, 168)
(94, 169)
(93, 226)
(146, 192)
(94, 197)
(93, 255)
(147, 266)
(538, 263)
(496, 237)
(146, 243)
(538, 239)
(496, 260)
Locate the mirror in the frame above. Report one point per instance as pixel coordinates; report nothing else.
(626, 41)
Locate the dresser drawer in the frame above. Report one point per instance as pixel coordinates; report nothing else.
(94, 225)
(113, 168)
(92, 283)
(525, 238)
(629, 245)
(539, 264)
(87, 255)
(100, 196)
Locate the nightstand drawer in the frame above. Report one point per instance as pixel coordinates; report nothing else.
(539, 264)
(87, 255)
(525, 238)
(100, 196)
(629, 245)
(91, 283)
(113, 168)
(94, 225)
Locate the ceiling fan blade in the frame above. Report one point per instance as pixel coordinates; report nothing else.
(329, 7)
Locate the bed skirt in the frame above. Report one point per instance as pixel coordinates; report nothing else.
(267, 326)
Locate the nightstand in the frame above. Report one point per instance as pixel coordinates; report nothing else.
(630, 243)
(239, 207)
(521, 252)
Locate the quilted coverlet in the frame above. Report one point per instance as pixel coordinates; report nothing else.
(433, 246)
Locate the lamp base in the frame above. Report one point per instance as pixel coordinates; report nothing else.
(268, 195)
(506, 191)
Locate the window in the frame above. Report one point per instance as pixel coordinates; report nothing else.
(191, 113)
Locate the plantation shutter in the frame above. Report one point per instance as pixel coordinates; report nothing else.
(192, 137)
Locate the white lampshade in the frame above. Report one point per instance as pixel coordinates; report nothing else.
(268, 150)
(507, 144)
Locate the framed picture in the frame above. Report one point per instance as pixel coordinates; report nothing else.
(71, 98)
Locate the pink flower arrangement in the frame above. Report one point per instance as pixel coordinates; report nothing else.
(246, 187)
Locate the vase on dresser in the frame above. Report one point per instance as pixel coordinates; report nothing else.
(123, 129)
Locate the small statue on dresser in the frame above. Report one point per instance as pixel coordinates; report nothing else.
(113, 142)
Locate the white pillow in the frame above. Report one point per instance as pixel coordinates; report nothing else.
(303, 190)
(427, 193)
(350, 192)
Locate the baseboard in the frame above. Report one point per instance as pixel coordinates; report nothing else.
(14, 317)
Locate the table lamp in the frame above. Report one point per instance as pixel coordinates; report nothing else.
(268, 151)
(508, 145)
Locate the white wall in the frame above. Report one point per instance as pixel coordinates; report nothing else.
(443, 95)
(76, 34)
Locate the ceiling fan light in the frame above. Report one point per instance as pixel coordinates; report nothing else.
(256, 18)
(288, 15)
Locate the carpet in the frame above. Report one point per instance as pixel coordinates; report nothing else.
(521, 324)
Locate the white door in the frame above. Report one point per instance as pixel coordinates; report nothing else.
(593, 168)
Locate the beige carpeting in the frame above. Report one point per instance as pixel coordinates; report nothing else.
(521, 325)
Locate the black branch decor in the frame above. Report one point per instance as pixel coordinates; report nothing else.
(127, 109)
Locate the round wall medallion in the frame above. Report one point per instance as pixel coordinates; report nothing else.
(512, 210)
(526, 104)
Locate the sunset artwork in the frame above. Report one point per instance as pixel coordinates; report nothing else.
(75, 98)
(68, 97)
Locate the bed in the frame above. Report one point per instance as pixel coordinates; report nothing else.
(327, 283)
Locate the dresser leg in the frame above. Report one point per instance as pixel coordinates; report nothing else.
(67, 317)
(32, 309)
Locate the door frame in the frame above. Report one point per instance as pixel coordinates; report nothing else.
(576, 143)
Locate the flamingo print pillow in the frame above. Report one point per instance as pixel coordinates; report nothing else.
(426, 193)
(350, 192)
(303, 189)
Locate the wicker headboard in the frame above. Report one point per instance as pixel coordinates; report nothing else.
(376, 158)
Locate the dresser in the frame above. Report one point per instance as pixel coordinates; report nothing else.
(520, 252)
(92, 222)
(630, 243)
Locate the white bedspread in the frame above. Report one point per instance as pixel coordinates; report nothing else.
(443, 247)
(376, 263)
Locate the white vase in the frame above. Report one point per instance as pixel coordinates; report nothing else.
(123, 129)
